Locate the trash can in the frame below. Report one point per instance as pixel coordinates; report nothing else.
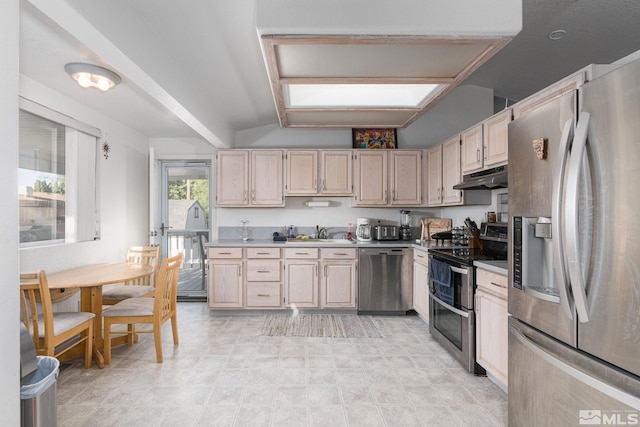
(38, 395)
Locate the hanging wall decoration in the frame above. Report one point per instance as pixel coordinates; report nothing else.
(106, 149)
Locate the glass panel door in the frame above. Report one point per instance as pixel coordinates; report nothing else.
(185, 222)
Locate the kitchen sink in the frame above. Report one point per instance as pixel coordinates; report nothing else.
(320, 241)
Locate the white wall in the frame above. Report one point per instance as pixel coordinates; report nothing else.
(9, 303)
(123, 189)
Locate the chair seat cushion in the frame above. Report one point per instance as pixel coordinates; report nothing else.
(130, 307)
(64, 321)
(127, 291)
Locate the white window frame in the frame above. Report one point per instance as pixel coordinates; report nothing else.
(82, 208)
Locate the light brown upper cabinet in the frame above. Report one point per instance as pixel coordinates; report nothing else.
(319, 173)
(249, 178)
(472, 149)
(496, 139)
(444, 172)
(485, 145)
(388, 178)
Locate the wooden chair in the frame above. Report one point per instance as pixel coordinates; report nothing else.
(154, 311)
(53, 333)
(144, 287)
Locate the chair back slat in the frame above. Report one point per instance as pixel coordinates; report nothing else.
(36, 289)
(167, 286)
(146, 255)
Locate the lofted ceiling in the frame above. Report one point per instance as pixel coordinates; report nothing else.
(194, 69)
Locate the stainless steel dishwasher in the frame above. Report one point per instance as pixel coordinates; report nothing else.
(385, 284)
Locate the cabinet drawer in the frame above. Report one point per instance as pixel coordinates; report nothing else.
(338, 253)
(267, 270)
(224, 252)
(263, 294)
(263, 252)
(421, 256)
(301, 253)
(492, 282)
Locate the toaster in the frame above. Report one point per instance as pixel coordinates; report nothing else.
(385, 232)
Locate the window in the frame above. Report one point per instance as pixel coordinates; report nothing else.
(56, 177)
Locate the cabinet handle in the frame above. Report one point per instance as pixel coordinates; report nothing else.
(315, 183)
(253, 194)
(262, 253)
(263, 295)
(239, 271)
(485, 152)
(339, 253)
(244, 195)
(395, 195)
(324, 184)
(302, 253)
(263, 271)
(225, 253)
(498, 285)
(477, 155)
(385, 195)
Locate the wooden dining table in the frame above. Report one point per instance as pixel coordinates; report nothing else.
(90, 279)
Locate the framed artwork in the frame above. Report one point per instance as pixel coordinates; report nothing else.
(375, 138)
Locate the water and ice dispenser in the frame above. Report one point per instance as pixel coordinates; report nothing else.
(533, 257)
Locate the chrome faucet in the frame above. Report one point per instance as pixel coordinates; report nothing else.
(321, 233)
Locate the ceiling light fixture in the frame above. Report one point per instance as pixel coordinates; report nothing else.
(88, 75)
(557, 34)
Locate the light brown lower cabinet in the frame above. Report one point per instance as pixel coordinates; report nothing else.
(338, 282)
(492, 334)
(421, 283)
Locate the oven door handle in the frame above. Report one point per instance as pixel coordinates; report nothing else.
(459, 270)
(450, 307)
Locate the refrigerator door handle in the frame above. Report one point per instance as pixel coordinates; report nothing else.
(560, 273)
(614, 393)
(572, 234)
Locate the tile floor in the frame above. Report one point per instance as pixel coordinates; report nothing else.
(224, 373)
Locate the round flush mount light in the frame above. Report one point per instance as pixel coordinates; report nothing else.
(557, 34)
(89, 75)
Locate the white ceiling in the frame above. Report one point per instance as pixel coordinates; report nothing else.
(195, 68)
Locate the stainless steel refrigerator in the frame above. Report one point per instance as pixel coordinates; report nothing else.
(574, 257)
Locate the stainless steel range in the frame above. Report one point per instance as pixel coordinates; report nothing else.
(452, 287)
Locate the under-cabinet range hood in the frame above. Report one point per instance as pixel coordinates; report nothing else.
(483, 180)
(375, 63)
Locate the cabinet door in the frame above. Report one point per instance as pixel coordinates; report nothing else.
(336, 172)
(301, 283)
(472, 154)
(302, 173)
(434, 168)
(406, 177)
(371, 178)
(225, 284)
(339, 284)
(496, 137)
(232, 172)
(492, 335)
(266, 178)
(451, 172)
(421, 289)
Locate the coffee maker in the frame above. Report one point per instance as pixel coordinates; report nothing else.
(405, 225)
(363, 229)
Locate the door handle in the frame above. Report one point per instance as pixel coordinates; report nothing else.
(162, 228)
(572, 234)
